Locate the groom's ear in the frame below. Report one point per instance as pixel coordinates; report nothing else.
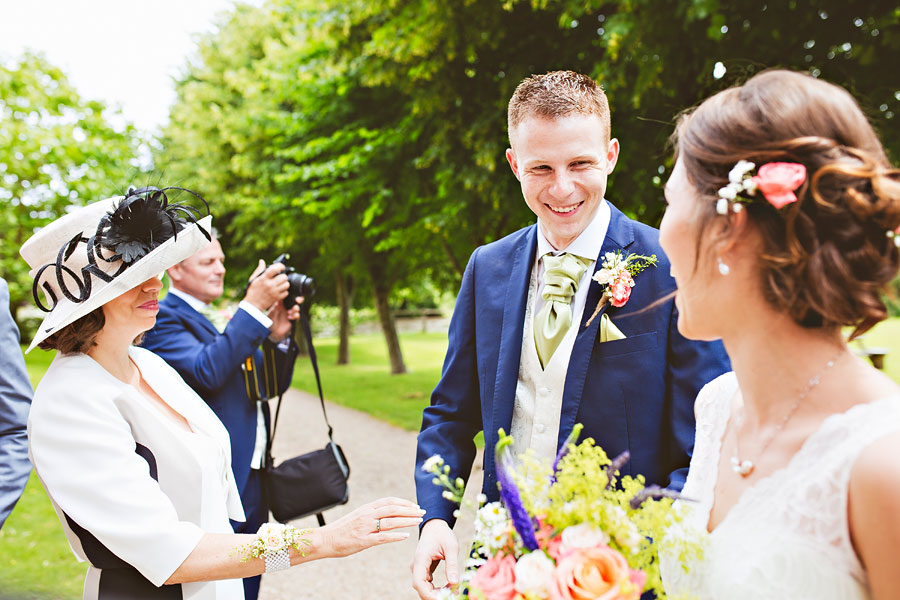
(612, 155)
(511, 159)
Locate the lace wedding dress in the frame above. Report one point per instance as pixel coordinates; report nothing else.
(788, 535)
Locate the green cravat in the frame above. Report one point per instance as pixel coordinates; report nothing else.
(561, 276)
(216, 317)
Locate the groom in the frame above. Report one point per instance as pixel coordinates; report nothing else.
(521, 353)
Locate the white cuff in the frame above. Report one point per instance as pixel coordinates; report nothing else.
(256, 313)
(259, 448)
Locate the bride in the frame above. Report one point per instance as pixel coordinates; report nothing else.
(782, 229)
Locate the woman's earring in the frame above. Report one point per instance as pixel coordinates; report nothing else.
(723, 268)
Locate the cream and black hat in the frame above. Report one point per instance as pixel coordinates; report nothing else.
(99, 251)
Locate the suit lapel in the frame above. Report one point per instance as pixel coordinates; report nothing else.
(187, 310)
(510, 350)
(619, 235)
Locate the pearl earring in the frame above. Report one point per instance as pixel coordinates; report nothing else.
(723, 268)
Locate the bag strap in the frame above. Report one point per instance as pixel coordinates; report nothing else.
(293, 350)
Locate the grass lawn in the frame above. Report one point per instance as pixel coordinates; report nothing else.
(35, 560)
(366, 384)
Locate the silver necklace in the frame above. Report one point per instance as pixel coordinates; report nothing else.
(745, 467)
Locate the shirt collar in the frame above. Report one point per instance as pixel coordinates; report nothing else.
(194, 303)
(588, 243)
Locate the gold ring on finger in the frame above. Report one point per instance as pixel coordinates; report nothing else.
(377, 525)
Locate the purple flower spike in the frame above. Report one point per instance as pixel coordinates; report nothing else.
(509, 493)
(616, 466)
(564, 449)
(655, 492)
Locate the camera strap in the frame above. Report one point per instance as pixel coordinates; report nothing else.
(293, 350)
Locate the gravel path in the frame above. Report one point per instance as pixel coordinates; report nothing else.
(381, 459)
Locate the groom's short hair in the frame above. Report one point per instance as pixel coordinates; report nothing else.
(557, 94)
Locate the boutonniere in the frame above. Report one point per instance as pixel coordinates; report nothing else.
(616, 278)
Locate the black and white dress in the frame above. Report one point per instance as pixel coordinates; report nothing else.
(134, 491)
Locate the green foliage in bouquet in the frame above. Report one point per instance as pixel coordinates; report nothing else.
(576, 517)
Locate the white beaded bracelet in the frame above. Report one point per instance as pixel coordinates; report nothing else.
(278, 561)
(273, 544)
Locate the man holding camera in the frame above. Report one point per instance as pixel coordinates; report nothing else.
(219, 357)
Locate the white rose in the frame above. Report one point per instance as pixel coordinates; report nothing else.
(534, 574)
(272, 535)
(583, 535)
(603, 276)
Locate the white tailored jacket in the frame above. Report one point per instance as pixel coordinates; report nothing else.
(134, 492)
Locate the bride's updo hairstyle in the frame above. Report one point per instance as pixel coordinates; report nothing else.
(827, 257)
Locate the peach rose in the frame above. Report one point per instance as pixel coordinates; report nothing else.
(495, 579)
(598, 573)
(777, 182)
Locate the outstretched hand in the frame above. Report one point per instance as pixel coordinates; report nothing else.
(370, 525)
(436, 543)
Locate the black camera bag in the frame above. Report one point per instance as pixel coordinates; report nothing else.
(313, 482)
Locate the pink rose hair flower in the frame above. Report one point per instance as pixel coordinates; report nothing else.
(778, 181)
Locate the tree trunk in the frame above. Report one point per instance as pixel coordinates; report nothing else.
(344, 286)
(389, 328)
(458, 268)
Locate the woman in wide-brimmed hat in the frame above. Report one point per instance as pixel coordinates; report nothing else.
(136, 464)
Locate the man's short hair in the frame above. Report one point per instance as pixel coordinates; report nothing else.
(557, 94)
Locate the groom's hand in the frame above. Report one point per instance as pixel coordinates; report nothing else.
(436, 543)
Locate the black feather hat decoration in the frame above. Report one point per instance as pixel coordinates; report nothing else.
(141, 222)
(137, 225)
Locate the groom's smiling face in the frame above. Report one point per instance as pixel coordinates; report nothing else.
(563, 165)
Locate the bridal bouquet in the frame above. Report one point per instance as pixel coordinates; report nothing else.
(569, 531)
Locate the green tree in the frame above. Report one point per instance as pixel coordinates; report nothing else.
(56, 149)
(368, 135)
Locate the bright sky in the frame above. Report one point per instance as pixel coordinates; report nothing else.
(123, 52)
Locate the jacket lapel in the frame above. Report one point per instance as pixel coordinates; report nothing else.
(619, 235)
(510, 350)
(188, 311)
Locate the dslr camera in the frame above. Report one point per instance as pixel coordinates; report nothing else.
(300, 284)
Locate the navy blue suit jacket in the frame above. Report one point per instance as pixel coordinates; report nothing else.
(634, 394)
(210, 362)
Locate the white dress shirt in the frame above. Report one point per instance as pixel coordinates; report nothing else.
(539, 391)
(262, 435)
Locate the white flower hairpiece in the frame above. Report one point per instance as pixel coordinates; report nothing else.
(739, 182)
(776, 180)
(895, 235)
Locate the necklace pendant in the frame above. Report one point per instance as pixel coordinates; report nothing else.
(742, 467)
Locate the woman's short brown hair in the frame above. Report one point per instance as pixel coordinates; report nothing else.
(826, 258)
(78, 336)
